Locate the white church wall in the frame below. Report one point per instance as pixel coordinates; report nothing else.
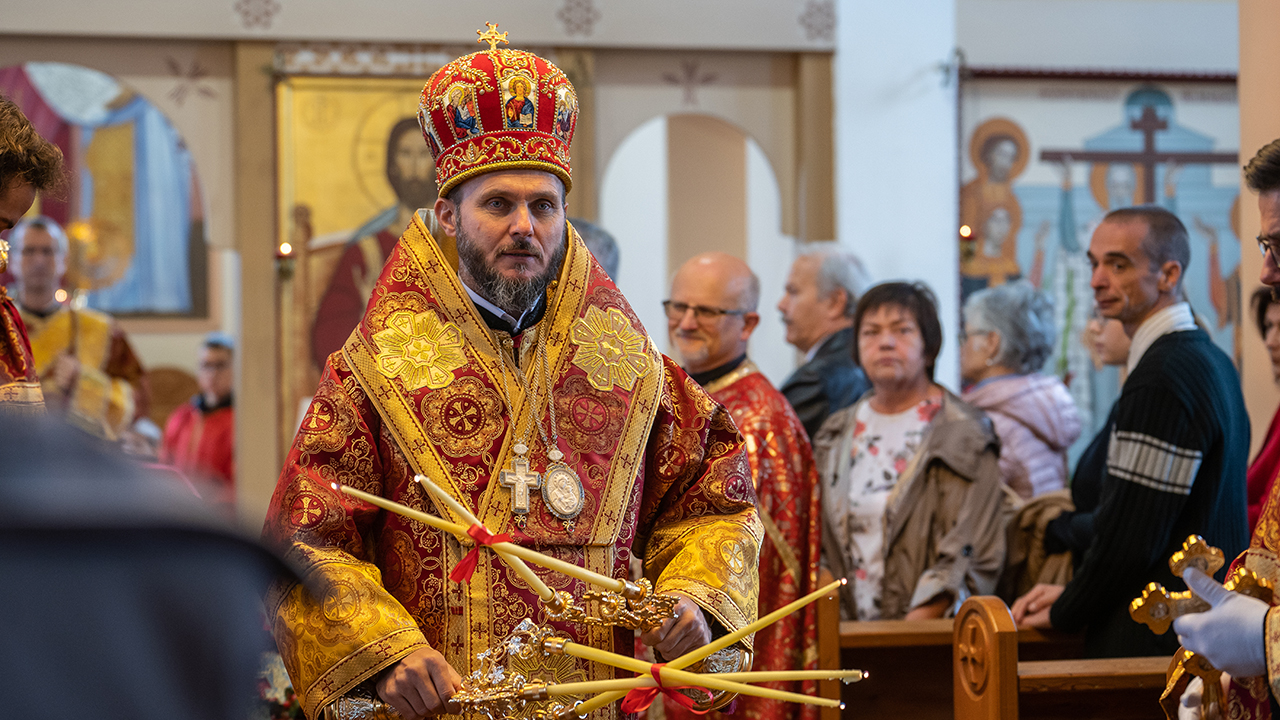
(769, 253)
(1151, 35)
(633, 208)
(896, 187)
(723, 24)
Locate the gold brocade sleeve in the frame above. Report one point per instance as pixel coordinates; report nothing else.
(341, 626)
(352, 631)
(703, 536)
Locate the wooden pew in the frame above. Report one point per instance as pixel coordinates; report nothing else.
(910, 663)
(992, 681)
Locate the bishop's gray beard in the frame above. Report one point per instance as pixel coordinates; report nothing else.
(512, 295)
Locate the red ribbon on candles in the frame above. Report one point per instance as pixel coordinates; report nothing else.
(463, 570)
(641, 698)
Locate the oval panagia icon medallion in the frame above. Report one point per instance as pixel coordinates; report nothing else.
(562, 491)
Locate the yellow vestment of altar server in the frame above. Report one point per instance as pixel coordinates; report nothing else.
(422, 386)
(103, 399)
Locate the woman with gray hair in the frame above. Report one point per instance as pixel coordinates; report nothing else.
(1007, 336)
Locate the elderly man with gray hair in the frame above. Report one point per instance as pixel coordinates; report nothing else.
(817, 308)
(1008, 335)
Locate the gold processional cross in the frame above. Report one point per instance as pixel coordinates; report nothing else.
(1157, 608)
(520, 481)
(492, 36)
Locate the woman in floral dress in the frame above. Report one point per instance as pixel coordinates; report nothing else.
(913, 507)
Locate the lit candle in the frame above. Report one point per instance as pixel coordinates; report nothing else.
(532, 556)
(516, 564)
(694, 656)
(594, 686)
(671, 676)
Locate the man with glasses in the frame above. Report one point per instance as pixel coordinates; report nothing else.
(710, 317)
(200, 435)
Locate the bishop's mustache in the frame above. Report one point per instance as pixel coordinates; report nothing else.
(522, 247)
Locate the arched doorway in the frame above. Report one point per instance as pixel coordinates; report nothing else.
(682, 184)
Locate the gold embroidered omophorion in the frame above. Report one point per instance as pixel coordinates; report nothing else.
(609, 349)
(419, 349)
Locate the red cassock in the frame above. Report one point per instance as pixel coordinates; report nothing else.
(202, 445)
(787, 488)
(19, 384)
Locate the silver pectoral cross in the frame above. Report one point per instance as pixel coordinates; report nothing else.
(520, 481)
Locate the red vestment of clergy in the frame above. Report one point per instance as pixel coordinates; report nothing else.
(786, 483)
(419, 388)
(19, 384)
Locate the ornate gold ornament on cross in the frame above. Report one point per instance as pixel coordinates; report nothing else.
(1157, 608)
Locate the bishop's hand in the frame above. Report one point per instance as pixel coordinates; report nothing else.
(420, 685)
(1230, 634)
(685, 632)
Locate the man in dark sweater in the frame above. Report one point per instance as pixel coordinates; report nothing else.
(817, 308)
(1176, 457)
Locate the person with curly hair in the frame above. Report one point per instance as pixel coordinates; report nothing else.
(28, 164)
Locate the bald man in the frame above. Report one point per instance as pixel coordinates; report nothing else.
(710, 317)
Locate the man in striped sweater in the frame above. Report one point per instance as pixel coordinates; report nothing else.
(1177, 456)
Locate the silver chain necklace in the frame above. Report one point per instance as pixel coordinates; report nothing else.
(562, 489)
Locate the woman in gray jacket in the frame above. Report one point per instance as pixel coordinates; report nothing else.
(913, 507)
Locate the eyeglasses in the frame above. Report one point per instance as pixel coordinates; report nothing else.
(676, 311)
(1269, 244)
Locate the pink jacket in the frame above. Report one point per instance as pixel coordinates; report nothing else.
(1036, 421)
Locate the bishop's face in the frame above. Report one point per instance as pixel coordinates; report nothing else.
(510, 228)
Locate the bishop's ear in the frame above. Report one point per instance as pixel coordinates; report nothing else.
(447, 216)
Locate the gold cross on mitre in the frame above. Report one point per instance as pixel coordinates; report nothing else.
(492, 36)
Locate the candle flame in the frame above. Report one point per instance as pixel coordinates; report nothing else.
(841, 706)
(419, 478)
(334, 486)
(844, 581)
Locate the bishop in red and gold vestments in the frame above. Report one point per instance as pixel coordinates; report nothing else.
(710, 317)
(552, 417)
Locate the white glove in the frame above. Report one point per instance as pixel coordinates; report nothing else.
(1231, 634)
(1189, 703)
